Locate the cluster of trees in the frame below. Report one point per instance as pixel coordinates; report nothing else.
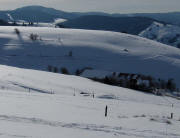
(63, 70)
(17, 31)
(33, 37)
(14, 23)
(139, 82)
(128, 80)
(28, 24)
(178, 45)
(3, 23)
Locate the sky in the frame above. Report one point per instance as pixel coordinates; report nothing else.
(110, 6)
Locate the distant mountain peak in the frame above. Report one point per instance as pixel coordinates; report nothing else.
(164, 33)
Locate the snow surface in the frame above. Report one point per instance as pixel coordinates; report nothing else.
(102, 51)
(59, 20)
(37, 104)
(167, 34)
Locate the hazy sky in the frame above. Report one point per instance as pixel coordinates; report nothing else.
(112, 6)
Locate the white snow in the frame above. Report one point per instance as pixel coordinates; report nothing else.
(167, 34)
(59, 20)
(69, 114)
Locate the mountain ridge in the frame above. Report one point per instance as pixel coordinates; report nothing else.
(131, 25)
(164, 17)
(164, 33)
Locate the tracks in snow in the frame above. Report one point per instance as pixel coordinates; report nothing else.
(114, 130)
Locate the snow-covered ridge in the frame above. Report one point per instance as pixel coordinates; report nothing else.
(164, 33)
(101, 50)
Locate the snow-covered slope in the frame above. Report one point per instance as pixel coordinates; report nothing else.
(100, 50)
(164, 33)
(37, 104)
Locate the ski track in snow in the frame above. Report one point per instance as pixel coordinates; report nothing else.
(14, 136)
(116, 130)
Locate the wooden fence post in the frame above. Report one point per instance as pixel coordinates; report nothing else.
(106, 111)
(171, 115)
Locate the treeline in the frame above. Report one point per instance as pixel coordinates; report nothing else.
(64, 70)
(5, 23)
(127, 80)
(14, 23)
(54, 69)
(139, 82)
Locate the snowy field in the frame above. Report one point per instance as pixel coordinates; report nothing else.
(37, 104)
(105, 52)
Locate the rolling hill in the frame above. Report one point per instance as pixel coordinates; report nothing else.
(102, 51)
(42, 104)
(36, 13)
